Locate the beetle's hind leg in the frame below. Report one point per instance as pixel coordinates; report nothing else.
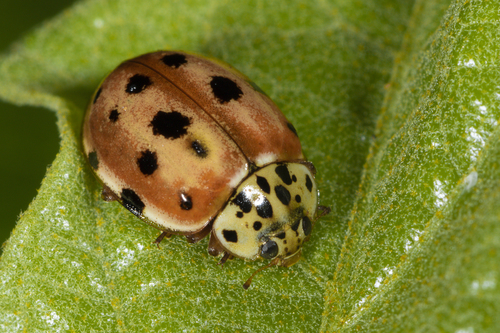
(160, 238)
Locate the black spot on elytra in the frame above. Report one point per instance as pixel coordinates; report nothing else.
(265, 210)
(148, 162)
(295, 225)
(242, 201)
(309, 183)
(137, 83)
(230, 235)
(113, 115)
(186, 202)
(290, 126)
(132, 202)
(294, 179)
(172, 125)
(174, 60)
(93, 160)
(283, 194)
(282, 171)
(257, 225)
(298, 198)
(97, 94)
(199, 149)
(239, 215)
(306, 225)
(225, 89)
(281, 235)
(263, 184)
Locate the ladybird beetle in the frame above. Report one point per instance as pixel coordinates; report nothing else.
(192, 147)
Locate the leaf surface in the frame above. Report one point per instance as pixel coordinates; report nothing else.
(412, 240)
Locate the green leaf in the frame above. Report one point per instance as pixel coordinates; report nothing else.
(422, 252)
(411, 243)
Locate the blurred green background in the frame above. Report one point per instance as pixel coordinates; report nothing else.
(29, 140)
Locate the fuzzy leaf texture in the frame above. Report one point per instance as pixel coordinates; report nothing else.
(395, 102)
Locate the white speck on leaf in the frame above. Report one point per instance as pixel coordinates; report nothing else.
(465, 330)
(98, 23)
(469, 63)
(470, 181)
(441, 198)
(125, 257)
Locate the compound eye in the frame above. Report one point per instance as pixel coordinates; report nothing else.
(269, 249)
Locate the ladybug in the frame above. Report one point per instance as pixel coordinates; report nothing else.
(192, 147)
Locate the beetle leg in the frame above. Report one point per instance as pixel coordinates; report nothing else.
(193, 238)
(160, 238)
(322, 211)
(227, 256)
(214, 246)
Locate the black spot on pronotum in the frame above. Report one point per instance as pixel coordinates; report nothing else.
(306, 225)
(230, 235)
(265, 210)
(174, 60)
(269, 249)
(137, 83)
(309, 183)
(242, 201)
(225, 89)
(172, 125)
(97, 94)
(290, 126)
(282, 171)
(186, 202)
(263, 184)
(239, 215)
(93, 160)
(281, 235)
(257, 225)
(113, 115)
(298, 198)
(283, 194)
(199, 149)
(132, 202)
(148, 162)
